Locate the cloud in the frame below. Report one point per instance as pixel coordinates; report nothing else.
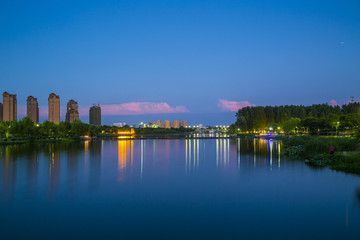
(136, 108)
(233, 106)
(333, 102)
(132, 108)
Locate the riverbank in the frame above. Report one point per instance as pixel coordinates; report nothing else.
(315, 151)
(14, 141)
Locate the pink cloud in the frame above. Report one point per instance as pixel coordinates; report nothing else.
(132, 108)
(136, 108)
(233, 106)
(333, 102)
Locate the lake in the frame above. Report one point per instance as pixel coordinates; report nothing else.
(172, 188)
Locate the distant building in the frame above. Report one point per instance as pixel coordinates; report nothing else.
(9, 107)
(184, 123)
(72, 112)
(32, 110)
(54, 108)
(1, 112)
(168, 124)
(119, 124)
(158, 123)
(95, 115)
(176, 124)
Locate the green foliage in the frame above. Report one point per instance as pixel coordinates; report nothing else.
(291, 125)
(313, 119)
(159, 131)
(79, 128)
(308, 146)
(48, 129)
(25, 128)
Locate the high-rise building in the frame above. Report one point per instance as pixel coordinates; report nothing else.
(32, 109)
(72, 112)
(9, 107)
(183, 123)
(1, 112)
(158, 123)
(54, 108)
(95, 115)
(167, 124)
(176, 124)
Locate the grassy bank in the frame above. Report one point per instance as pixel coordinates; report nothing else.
(315, 151)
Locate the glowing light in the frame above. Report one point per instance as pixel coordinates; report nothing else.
(131, 131)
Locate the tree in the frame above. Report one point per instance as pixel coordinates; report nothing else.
(47, 129)
(291, 125)
(64, 128)
(79, 128)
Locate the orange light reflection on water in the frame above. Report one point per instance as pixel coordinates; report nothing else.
(123, 148)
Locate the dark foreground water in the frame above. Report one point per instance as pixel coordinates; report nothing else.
(184, 189)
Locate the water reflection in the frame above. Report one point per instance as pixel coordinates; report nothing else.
(125, 157)
(54, 168)
(222, 152)
(192, 154)
(67, 161)
(155, 184)
(357, 195)
(9, 156)
(94, 163)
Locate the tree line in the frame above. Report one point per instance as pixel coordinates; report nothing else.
(25, 128)
(316, 118)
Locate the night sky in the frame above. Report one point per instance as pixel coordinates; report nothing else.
(195, 60)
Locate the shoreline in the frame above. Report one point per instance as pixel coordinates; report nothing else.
(14, 141)
(315, 151)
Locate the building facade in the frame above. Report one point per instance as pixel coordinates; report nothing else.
(32, 109)
(54, 108)
(167, 124)
(95, 115)
(9, 107)
(1, 112)
(176, 124)
(184, 123)
(72, 112)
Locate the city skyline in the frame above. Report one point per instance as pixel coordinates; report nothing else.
(72, 112)
(199, 57)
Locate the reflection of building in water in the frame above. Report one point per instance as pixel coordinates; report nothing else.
(8, 165)
(54, 168)
(32, 170)
(94, 163)
(222, 152)
(125, 156)
(192, 157)
(72, 166)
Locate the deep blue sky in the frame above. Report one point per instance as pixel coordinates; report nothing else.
(184, 53)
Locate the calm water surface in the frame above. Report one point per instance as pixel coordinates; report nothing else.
(199, 188)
